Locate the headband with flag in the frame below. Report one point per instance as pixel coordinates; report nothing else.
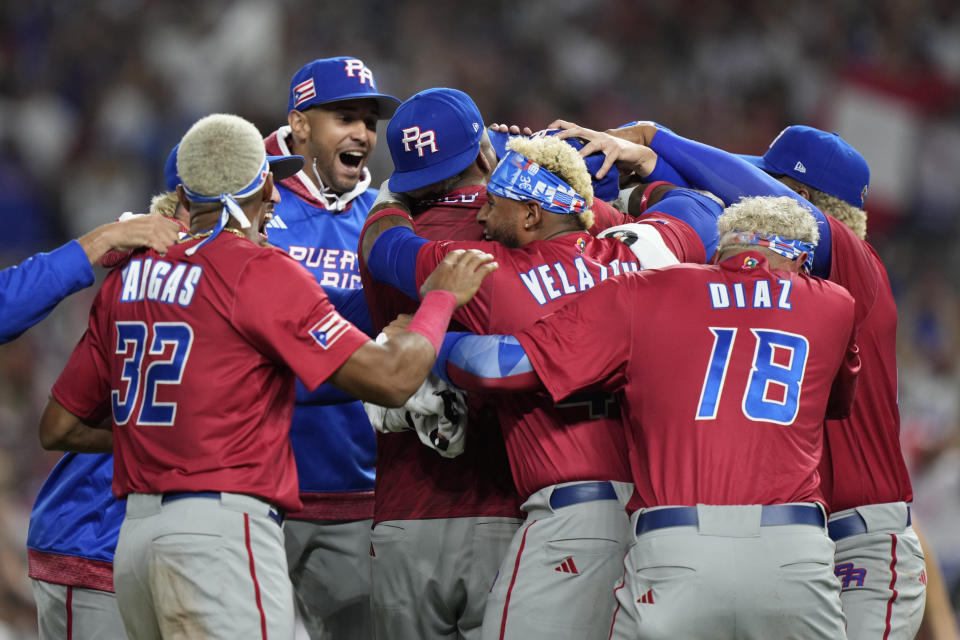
(790, 249)
(519, 178)
(230, 205)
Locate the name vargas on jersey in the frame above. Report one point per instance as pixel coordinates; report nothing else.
(160, 281)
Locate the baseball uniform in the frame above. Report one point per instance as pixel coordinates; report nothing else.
(441, 526)
(568, 461)
(724, 441)
(196, 365)
(70, 544)
(879, 561)
(330, 535)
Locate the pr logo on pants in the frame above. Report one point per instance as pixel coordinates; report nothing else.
(850, 575)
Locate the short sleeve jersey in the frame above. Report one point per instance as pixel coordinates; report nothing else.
(870, 437)
(723, 372)
(195, 357)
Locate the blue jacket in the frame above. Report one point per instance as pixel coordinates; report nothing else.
(334, 444)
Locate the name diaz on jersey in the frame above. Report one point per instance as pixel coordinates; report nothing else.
(759, 298)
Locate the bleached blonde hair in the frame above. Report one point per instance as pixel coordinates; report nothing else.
(165, 204)
(220, 153)
(559, 158)
(854, 218)
(767, 215)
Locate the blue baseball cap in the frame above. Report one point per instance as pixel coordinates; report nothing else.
(333, 79)
(433, 136)
(822, 160)
(281, 167)
(606, 189)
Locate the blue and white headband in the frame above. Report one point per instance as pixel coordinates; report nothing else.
(230, 205)
(519, 178)
(790, 249)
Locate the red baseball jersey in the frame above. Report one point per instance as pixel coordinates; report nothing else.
(581, 437)
(723, 373)
(414, 482)
(195, 358)
(869, 440)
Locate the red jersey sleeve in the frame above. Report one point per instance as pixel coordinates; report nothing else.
(606, 216)
(586, 344)
(284, 312)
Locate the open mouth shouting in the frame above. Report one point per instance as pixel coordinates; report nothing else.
(350, 163)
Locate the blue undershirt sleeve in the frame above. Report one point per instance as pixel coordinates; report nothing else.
(730, 178)
(697, 210)
(393, 259)
(492, 364)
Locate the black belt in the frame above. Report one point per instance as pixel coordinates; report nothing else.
(851, 525)
(275, 514)
(581, 492)
(770, 515)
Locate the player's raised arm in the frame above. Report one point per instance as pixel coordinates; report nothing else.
(388, 374)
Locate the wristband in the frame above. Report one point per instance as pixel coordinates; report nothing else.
(433, 316)
(647, 191)
(389, 211)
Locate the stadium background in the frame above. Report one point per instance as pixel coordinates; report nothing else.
(94, 94)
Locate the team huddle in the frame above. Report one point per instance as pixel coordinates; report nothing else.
(570, 384)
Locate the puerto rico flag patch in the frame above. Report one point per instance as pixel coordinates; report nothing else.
(329, 330)
(303, 92)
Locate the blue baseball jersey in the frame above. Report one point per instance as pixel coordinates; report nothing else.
(76, 515)
(29, 291)
(334, 444)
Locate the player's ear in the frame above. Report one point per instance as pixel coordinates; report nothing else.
(299, 124)
(483, 163)
(534, 214)
(182, 197)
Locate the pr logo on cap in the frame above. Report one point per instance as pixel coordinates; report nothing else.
(356, 69)
(423, 140)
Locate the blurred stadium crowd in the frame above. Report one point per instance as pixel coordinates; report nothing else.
(93, 95)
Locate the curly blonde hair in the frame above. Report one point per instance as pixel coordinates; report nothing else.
(855, 219)
(220, 153)
(768, 215)
(165, 204)
(559, 158)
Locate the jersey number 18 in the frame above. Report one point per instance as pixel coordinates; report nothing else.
(767, 372)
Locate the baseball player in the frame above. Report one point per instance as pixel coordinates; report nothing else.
(76, 519)
(30, 290)
(194, 362)
(575, 533)
(724, 442)
(332, 113)
(441, 526)
(879, 561)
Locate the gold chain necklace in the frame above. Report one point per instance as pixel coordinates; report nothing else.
(204, 234)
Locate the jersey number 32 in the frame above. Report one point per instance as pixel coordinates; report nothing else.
(133, 338)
